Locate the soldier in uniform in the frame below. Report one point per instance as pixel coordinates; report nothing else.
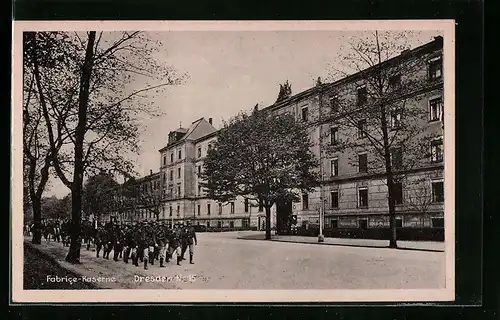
(190, 236)
(174, 244)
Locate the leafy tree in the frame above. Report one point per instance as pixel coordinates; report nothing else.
(261, 157)
(98, 197)
(42, 52)
(94, 101)
(381, 116)
(55, 208)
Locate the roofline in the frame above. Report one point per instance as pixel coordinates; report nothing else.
(183, 138)
(438, 40)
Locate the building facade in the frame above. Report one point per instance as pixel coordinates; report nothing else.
(353, 192)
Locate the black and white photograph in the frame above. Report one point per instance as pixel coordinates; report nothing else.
(249, 161)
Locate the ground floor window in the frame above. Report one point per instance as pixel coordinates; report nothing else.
(363, 224)
(231, 224)
(438, 222)
(208, 224)
(334, 224)
(219, 224)
(399, 223)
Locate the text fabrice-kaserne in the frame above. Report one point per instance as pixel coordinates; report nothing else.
(72, 280)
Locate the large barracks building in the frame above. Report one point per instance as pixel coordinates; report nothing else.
(350, 195)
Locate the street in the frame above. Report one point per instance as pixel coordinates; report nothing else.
(224, 262)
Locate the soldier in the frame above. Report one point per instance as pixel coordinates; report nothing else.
(151, 242)
(99, 240)
(118, 244)
(191, 241)
(184, 240)
(174, 244)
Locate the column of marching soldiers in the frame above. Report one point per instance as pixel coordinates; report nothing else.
(146, 242)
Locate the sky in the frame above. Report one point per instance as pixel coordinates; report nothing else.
(230, 71)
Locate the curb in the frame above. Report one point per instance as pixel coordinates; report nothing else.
(345, 245)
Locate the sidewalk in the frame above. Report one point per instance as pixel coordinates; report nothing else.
(103, 273)
(370, 243)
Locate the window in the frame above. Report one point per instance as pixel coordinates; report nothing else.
(171, 175)
(437, 191)
(246, 205)
(305, 113)
(179, 173)
(436, 109)
(180, 154)
(199, 152)
(199, 209)
(334, 224)
(362, 163)
(232, 207)
(178, 210)
(362, 95)
(305, 201)
(164, 160)
(437, 150)
(179, 191)
(199, 190)
(435, 68)
(334, 135)
(395, 81)
(334, 167)
(164, 177)
(171, 192)
(199, 170)
(438, 222)
(363, 197)
(396, 158)
(397, 188)
(334, 103)
(172, 157)
(209, 146)
(208, 209)
(335, 199)
(395, 119)
(399, 223)
(164, 193)
(220, 208)
(219, 224)
(362, 128)
(170, 211)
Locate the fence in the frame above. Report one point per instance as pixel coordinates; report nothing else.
(408, 234)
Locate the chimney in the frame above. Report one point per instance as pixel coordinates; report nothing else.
(210, 121)
(150, 172)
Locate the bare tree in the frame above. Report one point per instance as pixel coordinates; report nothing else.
(418, 197)
(104, 119)
(381, 118)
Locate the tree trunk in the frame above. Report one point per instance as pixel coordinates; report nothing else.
(77, 185)
(268, 223)
(390, 179)
(392, 211)
(37, 220)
